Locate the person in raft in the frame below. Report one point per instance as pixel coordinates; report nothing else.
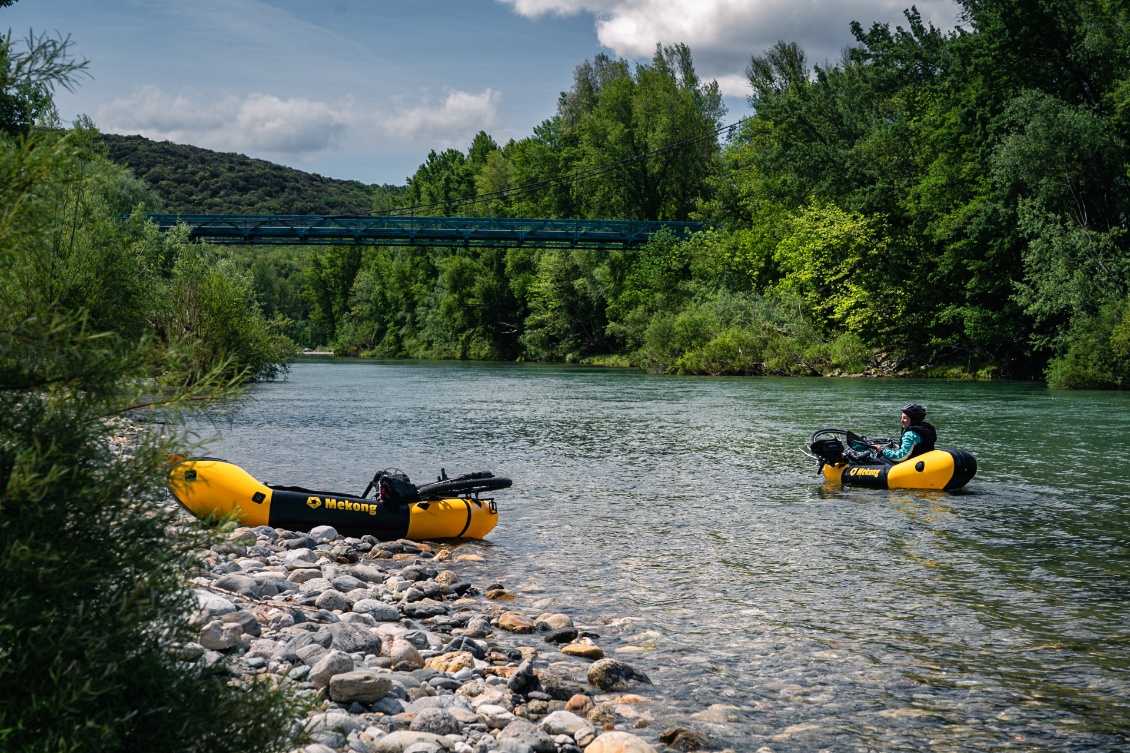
(918, 436)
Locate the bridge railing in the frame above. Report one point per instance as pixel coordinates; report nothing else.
(398, 230)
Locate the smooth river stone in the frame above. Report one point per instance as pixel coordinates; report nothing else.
(402, 740)
(354, 639)
(362, 686)
(316, 586)
(405, 657)
(378, 610)
(527, 735)
(212, 603)
(451, 662)
(219, 636)
(556, 621)
(332, 600)
(333, 663)
(619, 742)
(515, 622)
(583, 651)
(610, 674)
(303, 574)
(563, 723)
(437, 721)
(495, 717)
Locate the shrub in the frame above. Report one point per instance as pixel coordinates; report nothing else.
(95, 565)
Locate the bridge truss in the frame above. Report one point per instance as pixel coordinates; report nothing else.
(400, 230)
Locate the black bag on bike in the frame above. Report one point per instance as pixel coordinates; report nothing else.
(394, 487)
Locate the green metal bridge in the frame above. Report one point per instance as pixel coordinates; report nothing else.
(402, 230)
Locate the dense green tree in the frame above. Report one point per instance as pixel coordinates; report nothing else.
(329, 284)
(96, 563)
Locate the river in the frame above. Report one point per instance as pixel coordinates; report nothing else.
(678, 516)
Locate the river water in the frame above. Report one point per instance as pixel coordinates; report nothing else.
(677, 516)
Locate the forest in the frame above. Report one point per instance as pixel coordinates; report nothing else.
(937, 202)
(191, 180)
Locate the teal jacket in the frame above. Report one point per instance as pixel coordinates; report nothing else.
(909, 439)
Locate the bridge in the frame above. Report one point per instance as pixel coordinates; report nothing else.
(403, 230)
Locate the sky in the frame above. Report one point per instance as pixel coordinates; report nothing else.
(364, 89)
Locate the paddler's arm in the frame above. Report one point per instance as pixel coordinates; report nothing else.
(909, 439)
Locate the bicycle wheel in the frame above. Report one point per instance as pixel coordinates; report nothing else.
(458, 486)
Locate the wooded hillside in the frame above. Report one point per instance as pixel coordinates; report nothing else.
(192, 180)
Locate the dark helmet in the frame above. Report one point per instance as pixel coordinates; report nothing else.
(915, 411)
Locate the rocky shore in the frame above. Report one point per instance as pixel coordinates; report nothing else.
(405, 647)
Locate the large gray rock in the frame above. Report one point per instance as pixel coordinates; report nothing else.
(437, 721)
(563, 723)
(298, 558)
(610, 674)
(478, 649)
(212, 603)
(619, 742)
(335, 720)
(368, 573)
(219, 636)
(405, 657)
(303, 574)
(245, 620)
(299, 542)
(263, 647)
(237, 583)
(332, 600)
(311, 653)
(477, 627)
(333, 663)
(527, 734)
(362, 686)
(315, 586)
(321, 637)
(557, 686)
(346, 583)
(356, 595)
(378, 610)
(323, 534)
(354, 638)
(398, 742)
(493, 716)
(422, 610)
(556, 621)
(522, 678)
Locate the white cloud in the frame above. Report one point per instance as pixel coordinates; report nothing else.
(258, 123)
(298, 128)
(452, 123)
(724, 34)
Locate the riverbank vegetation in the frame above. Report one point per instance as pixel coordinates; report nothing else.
(103, 319)
(936, 202)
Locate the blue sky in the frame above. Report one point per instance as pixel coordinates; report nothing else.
(363, 89)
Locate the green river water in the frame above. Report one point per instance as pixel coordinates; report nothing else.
(678, 516)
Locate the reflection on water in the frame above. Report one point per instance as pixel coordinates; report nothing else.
(678, 516)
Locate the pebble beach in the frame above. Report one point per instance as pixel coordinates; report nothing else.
(409, 647)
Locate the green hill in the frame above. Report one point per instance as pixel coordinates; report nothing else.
(192, 180)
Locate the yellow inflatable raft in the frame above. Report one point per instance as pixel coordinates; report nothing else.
(846, 461)
(448, 509)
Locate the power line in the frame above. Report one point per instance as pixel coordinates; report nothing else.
(575, 177)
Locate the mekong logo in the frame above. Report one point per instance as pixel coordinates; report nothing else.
(341, 504)
(864, 472)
